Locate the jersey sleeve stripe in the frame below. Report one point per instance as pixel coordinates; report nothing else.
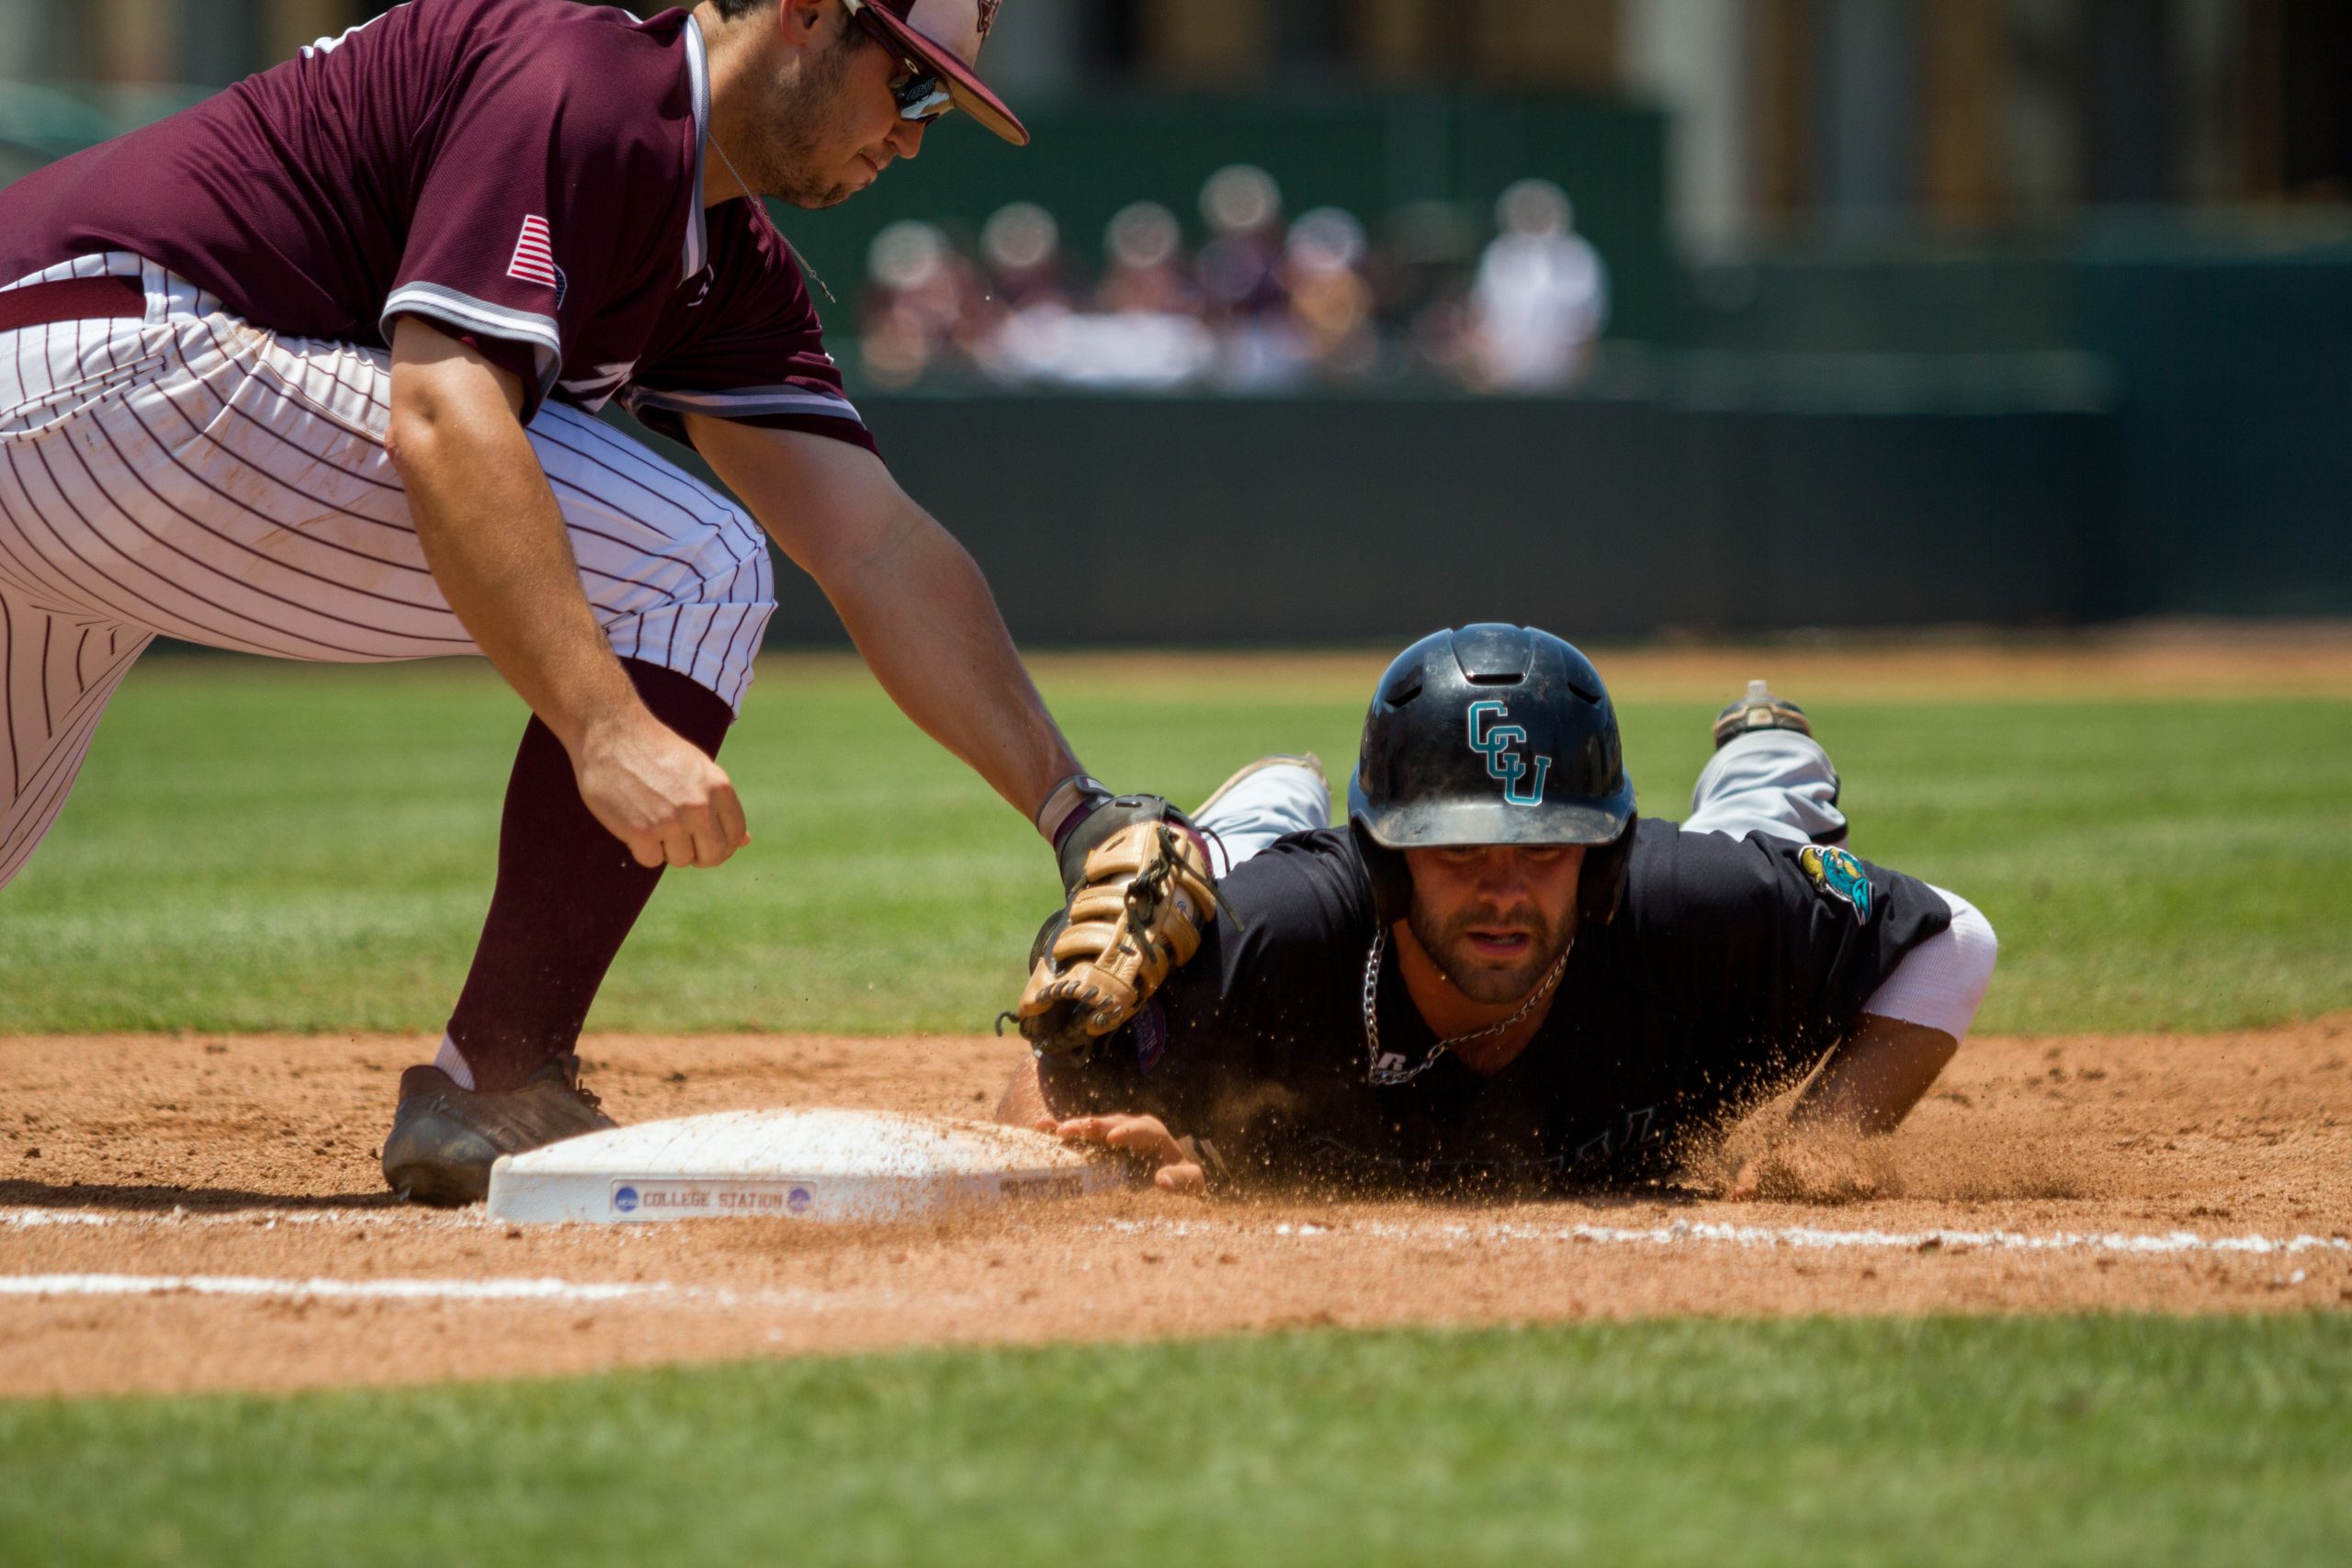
(740, 401)
(697, 247)
(433, 302)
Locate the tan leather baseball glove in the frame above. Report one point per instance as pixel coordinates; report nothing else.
(1143, 898)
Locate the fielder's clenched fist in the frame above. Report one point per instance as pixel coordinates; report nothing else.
(657, 793)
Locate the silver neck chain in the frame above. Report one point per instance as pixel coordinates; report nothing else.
(1387, 1077)
(760, 207)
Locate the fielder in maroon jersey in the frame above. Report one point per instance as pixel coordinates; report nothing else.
(311, 370)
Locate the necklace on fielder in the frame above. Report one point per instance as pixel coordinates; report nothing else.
(760, 206)
(1389, 1077)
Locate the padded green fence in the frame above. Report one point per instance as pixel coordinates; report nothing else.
(1710, 494)
(2138, 416)
(2231, 343)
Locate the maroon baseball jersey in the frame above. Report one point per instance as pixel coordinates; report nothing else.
(525, 174)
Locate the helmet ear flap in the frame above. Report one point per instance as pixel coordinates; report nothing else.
(1602, 885)
(1391, 880)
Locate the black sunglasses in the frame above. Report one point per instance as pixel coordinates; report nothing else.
(916, 89)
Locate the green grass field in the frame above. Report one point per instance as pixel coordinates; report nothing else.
(273, 847)
(2001, 1442)
(267, 847)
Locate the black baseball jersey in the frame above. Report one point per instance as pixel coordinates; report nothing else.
(1730, 968)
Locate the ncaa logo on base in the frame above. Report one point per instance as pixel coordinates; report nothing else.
(625, 1200)
(1493, 740)
(798, 1199)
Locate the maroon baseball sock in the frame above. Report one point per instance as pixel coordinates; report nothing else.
(568, 893)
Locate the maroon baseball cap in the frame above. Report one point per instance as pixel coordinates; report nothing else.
(945, 36)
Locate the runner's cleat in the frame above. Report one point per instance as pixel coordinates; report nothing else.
(1308, 760)
(1760, 710)
(444, 1139)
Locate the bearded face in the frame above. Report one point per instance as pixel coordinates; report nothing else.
(796, 126)
(825, 125)
(1495, 917)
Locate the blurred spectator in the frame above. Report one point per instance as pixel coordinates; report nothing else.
(1137, 350)
(1021, 247)
(1330, 302)
(921, 299)
(1541, 296)
(1262, 308)
(1241, 265)
(1145, 272)
(1241, 278)
(1146, 333)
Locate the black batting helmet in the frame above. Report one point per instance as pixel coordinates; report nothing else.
(1492, 735)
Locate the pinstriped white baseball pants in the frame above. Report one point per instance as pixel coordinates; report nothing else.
(191, 476)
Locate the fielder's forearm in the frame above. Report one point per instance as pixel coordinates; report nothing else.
(494, 536)
(921, 614)
(912, 599)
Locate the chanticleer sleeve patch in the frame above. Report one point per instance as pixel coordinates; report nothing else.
(1837, 874)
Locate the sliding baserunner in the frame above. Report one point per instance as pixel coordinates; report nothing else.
(311, 370)
(1495, 971)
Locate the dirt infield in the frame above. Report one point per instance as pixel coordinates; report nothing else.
(192, 1213)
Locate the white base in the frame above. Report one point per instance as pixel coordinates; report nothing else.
(809, 1164)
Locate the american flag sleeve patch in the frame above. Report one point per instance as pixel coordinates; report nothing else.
(535, 256)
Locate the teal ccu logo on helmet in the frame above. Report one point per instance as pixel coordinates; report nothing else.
(1493, 739)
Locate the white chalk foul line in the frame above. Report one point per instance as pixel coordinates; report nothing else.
(569, 1292)
(2162, 1245)
(1679, 1233)
(247, 1219)
(1685, 1231)
(1676, 1233)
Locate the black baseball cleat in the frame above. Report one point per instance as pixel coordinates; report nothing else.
(1760, 710)
(444, 1139)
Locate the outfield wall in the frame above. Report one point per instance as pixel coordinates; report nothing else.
(2141, 414)
(2231, 343)
(1713, 494)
